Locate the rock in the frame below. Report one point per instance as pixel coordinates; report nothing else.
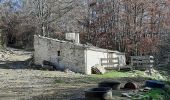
(126, 95)
(68, 71)
(130, 86)
(141, 90)
(146, 89)
(48, 67)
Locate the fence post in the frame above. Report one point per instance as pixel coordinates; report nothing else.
(132, 64)
(150, 65)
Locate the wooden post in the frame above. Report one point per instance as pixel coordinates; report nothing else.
(107, 58)
(132, 62)
(150, 70)
(150, 65)
(0, 38)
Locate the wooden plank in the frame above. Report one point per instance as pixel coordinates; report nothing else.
(142, 62)
(110, 63)
(142, 57)
(149, 62)
(109, 58)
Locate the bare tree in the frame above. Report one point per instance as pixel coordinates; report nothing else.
(132, 26)
(49, 12)
(35, 17)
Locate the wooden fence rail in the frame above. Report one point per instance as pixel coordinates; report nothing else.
(109, 62)
(142, 62)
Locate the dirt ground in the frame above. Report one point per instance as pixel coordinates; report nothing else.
(18, 83)
(23, 84)
(28, 84)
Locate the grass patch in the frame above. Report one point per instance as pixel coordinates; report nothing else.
(156, 94)
(60, 81)
(168, 82)
(135, 73)
(113, 74)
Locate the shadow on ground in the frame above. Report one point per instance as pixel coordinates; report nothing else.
(15, 64)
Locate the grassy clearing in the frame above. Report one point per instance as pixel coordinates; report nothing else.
(155, 94)
(135, 73)
(113, 74)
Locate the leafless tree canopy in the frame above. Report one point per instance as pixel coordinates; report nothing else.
(42, 17)
(137, 27)
(133, 26)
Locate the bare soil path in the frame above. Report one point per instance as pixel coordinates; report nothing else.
(17, 83)
(24, 84)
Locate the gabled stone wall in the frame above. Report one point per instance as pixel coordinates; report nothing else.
(62, 53)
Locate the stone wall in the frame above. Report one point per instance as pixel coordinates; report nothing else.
(62, 53)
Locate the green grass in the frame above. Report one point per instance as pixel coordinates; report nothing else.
(135, 73)
(60, 81)
(168, 82)
(113, 74)
(156, 94)
(117, 74)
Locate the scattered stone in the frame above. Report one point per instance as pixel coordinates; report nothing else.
(48, 67)
(68, 71)
(146, 89)
(126, 95)
(141, 90)
(130, 86)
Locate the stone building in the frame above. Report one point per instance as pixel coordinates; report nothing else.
(73, 55)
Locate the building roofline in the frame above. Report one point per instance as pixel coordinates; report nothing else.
(104, 50)
(81, 45)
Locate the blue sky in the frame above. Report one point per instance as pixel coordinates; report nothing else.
(16, 4)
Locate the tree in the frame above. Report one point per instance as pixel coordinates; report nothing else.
(128, 25)
(33, 17)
